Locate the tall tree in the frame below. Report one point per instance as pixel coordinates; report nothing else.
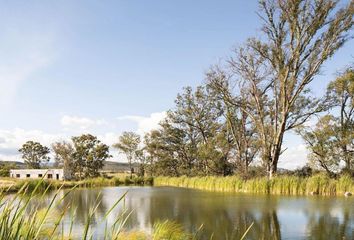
(128, 144)
(167, 152)
(196, 114)
(142, 158)
(192, 139)
(34, 154)
(64, 157)
(89, 155)
(341, 92)
(274, 72)
(244, 138)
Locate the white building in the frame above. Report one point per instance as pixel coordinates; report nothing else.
(56, 174)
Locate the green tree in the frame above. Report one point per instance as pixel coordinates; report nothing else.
(341, 93)
(167, 153)
(273, 73)
(34, 154)
(142, 158)
(5, 168)
(128, 144)
(322, 144)
(332, 141)
(63, 156)
(243, 134)
(192, 139)
(89, 155)
(196, 115)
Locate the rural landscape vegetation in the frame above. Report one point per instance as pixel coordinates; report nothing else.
(225, 135)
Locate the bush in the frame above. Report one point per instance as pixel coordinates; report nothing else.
(149, 181)
(305, 171)
(128, 181)
(253, 172)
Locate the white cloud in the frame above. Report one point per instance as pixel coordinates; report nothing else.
(11, 141)
(294, 157)
(146, 124)
(82, 123)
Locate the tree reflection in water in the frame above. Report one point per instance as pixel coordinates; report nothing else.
(225, 216)
(335, 220)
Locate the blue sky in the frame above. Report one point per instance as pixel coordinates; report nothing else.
(69, 67)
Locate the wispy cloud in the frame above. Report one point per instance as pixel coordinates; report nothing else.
(145, 124)
(22, 54)
(81, 123)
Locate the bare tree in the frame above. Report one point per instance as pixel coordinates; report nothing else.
(273, 73)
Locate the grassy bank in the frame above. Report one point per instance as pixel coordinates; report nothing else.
(286, 185)
(14, 185)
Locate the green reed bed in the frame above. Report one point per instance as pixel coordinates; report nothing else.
(15, 185)
(286, 185)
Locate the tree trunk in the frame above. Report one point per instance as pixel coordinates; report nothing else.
(272, 170)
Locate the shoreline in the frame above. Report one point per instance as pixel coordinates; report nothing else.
(282, 185)
(14, 185)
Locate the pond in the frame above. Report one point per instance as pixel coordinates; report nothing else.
(225, 215)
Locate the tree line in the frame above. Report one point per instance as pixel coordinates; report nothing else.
(248, 103)
(83, 157)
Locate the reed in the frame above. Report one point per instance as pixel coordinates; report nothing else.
(14, 185)
(286, 185)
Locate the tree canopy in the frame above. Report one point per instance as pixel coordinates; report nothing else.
(34, 154)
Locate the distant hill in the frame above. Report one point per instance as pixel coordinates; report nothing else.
(15, 163)
(110, 166)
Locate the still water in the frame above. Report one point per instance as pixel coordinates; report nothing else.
(224, 215)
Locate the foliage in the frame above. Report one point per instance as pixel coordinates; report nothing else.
(5, 169)
(248, 105)
(128, 144)
(192, 139)
(89, 155)
(322, 145)
(331, 142)
(34, 154)
(341, 93)
(270, 76)
(63, 156)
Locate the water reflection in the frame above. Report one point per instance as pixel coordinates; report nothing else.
(83, 200)
(225, 216)
(335, 221)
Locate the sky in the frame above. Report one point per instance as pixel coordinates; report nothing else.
(104, 67)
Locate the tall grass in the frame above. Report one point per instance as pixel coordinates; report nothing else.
(14, 185)
(285, 185)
